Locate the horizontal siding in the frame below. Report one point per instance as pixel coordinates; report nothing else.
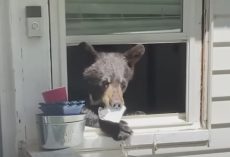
(221, 85)
(221, 20)
(221, 62)
(221, 7)
(221, 28)
(221, 58)
(220, 112)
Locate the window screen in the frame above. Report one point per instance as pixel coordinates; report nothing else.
(102, 17)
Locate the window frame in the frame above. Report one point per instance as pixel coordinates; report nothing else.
(191, 34)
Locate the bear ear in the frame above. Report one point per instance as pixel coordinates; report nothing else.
(134, 54)
(88, 48)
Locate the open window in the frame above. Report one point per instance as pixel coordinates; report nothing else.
(159, 82)
(167, 80)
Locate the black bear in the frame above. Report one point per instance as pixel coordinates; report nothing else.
(107, 78)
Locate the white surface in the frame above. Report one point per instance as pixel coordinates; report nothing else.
(110, 114)
(221, 7)
(71, 152)
(31, 68)
(219, 147)
(221, 55)
(191, 152)
(191, 34)
(221, 58)
(221, 20)
(220, 112)
(221, 85)
(193, 62)
(221, 29)
(34, 26)
(157, 120)
(140, 148)
(36, 68)
(32, 75)
(8, 126)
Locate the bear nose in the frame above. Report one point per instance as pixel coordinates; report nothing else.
(116, 106)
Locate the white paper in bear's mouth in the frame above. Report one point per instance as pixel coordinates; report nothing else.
(111, 114)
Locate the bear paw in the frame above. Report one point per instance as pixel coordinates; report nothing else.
(124, 132)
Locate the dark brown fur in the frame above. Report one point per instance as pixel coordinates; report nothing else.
(108, 78)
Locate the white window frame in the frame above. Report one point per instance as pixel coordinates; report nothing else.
(191, 34)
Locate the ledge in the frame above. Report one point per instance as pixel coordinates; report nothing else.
(145, 143)
(35, 151)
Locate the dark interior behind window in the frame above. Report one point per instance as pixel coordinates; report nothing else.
(159, 82)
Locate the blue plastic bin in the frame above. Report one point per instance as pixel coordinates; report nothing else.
(62, 108)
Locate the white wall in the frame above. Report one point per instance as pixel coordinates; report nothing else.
(25, 73)
(25, 65)
(7, 101)
(220, 85)
(31, 61)
(219, 145)
(221, 62)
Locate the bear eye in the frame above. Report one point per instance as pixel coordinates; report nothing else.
(105, 83)
(123, 85)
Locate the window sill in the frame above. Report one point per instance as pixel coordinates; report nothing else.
(155, 132)
(152, 123)
(142, 144)
(148, 130)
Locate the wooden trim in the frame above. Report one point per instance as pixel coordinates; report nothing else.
(58, 43)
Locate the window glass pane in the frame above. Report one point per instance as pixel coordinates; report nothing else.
(101, 17)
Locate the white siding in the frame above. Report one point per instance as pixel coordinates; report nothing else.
(221, 62)
(219, 147)
(221, 85)
(221, 20)
(36, 75)
(221, 59)
(31, 64)
(221, 7)
(7, 100)
(222, 28)
(220, 142)
(218, 116)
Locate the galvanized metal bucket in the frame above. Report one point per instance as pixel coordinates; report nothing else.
(57, 132)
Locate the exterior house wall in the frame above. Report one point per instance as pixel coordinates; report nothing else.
(26, 67)
(25, 73)
(221, 62)
(7, 102)
(219, 145)
(33, 71)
